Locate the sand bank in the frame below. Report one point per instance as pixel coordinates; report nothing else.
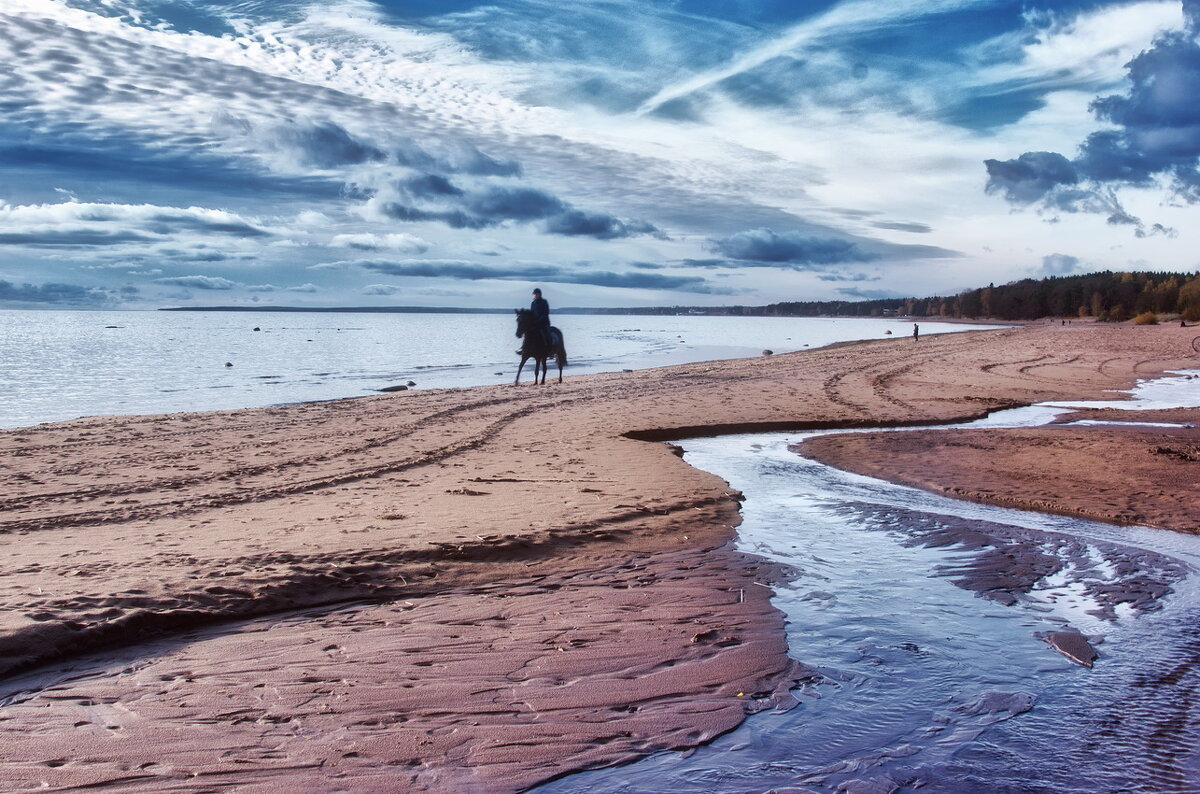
(474, 589)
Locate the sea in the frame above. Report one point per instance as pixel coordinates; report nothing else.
(58, 365)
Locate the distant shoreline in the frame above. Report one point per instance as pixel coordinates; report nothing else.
(653, 311)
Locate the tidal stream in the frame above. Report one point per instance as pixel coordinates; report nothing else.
(927, 620)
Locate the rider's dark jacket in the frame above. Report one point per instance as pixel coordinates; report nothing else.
(541, 312)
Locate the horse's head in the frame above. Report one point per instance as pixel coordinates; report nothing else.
(524, 321)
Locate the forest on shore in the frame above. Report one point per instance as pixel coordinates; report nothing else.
(1107, 296)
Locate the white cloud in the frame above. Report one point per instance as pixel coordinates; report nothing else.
(399, 242)
(145, 220)
(199, 282)
(1085, 49)
(845, 18)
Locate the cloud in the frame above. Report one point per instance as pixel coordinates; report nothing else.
(903, 226)
(381, 289)
(1155, 138)
(602, 227)
(855, 16)
(856, 277)
(458, 269)
(323, 144)
(79, 224)
(514, 203)
(207, 221)
(71, 238)
(1156, 229)
(125, 163)
(309, 288)
(789, 248)
(1030, 177)
(433, 197)
(53, 293)
(1060, 264)
(401, 242)
(198, 282)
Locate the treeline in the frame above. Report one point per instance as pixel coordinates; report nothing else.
(1107, 296)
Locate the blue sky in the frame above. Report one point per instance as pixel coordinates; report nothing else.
(625, 153)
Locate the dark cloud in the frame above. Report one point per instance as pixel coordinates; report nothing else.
(455, 219)
(71, 238)
(453, 157)
(325, 145)
(789, 248)
(1155, 136)
(855, 277)
(903, 226)
(453, 268)
(433, 197)
(1156, 229)
(171, 222)
(430, 186)
(598, 225)
(198, 282)
(381, 289)
(197, 256)
(66, 294)
(123, 162)
(602, 278)
(514, 203)
(1030, 177)
(432, 268)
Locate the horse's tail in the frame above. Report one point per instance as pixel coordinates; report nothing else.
(560, 348)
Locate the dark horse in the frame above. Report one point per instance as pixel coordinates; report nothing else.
(533, 346)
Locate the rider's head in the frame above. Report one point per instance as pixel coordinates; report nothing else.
(537, 292)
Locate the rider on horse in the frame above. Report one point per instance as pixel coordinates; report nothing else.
(541, 315)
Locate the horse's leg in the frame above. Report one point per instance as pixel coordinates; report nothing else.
(521, 367)
(540, 366)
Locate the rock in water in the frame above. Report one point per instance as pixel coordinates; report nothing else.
(768, 352)
(1072, 645)
(394, 388)
(229, 363)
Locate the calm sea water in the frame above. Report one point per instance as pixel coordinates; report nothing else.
(57, 365)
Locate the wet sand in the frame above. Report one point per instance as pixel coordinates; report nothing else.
(469, 590)
(1129, 474)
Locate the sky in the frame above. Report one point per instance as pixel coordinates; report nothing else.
(613, 152)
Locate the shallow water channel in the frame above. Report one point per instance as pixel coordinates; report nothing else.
(930, 680)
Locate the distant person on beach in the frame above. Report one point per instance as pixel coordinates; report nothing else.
(541, 313)
(916, 332)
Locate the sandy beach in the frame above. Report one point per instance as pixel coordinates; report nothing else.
(483, 589)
